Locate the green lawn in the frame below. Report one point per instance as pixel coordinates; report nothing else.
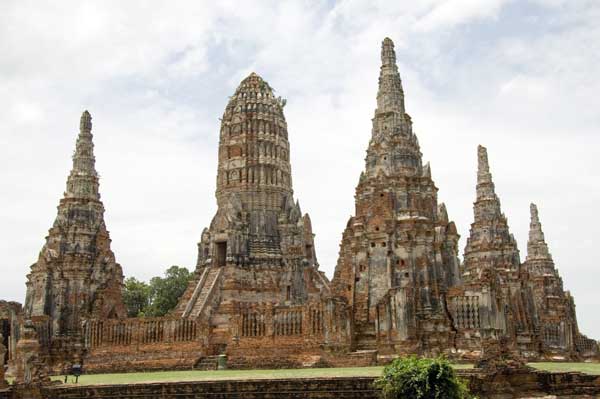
(588, 368)
(195, 375)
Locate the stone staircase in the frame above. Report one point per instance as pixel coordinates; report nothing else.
(207, 363)
(202, 293)
(366, 339)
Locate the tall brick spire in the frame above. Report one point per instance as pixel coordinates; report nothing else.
(76, 274)
(83, 179)
(554, 308)
(396, 211)
(539, 261)
(536, 246)
(492, 266)
(490, 227)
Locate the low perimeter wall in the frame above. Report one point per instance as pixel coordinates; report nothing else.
(513, 384)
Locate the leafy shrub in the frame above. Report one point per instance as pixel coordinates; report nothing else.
(420, 378)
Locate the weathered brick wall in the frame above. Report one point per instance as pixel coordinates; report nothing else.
(323, 388)
(524, 384)
(516, 384)
(159, 356)
(142, 344)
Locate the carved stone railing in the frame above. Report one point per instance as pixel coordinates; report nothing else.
(465, 312)
(138, 331)
(260, 320)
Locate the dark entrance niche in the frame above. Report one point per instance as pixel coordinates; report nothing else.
(221, 253)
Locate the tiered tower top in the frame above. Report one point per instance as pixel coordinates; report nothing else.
(254, 161)
(487, 203)
(536, 245)
(393, 149)
(489, 231)
(83, 182)
(390, 95)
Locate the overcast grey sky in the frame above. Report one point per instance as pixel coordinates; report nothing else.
(520, 77)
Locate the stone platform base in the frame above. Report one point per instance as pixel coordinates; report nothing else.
(515, 384)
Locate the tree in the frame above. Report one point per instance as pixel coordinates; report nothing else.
(421, 378)
(166, 291)
(136, 296)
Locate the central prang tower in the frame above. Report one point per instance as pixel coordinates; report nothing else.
(254, 185)
(259, 248)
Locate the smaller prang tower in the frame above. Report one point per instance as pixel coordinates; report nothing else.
(76, 275)
(554, 308)
(496, 301)
(398, 255)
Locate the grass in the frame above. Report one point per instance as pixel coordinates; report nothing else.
(588, 368)
(196, 375)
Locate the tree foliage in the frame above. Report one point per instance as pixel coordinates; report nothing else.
(166, 291)
(159, 296)
(136, 296)
(421, 378)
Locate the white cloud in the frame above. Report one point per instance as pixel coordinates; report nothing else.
(450, 13)
(525, 87)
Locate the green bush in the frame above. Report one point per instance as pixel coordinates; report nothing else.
(420, 378)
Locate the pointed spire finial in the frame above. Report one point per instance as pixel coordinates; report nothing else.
(483, 166)
(388, 55)
(427, 170)
(536, 246)
(390, 96)
(85, 123)
(442, 213)
(485, 186)
(83, 179)
(535, 218)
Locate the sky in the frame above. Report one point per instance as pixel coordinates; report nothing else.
(519, 77)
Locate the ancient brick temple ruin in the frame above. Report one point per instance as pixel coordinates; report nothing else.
(492, 299)
(399, 253)
(258, 296)
(76, 275)
(257, 281)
